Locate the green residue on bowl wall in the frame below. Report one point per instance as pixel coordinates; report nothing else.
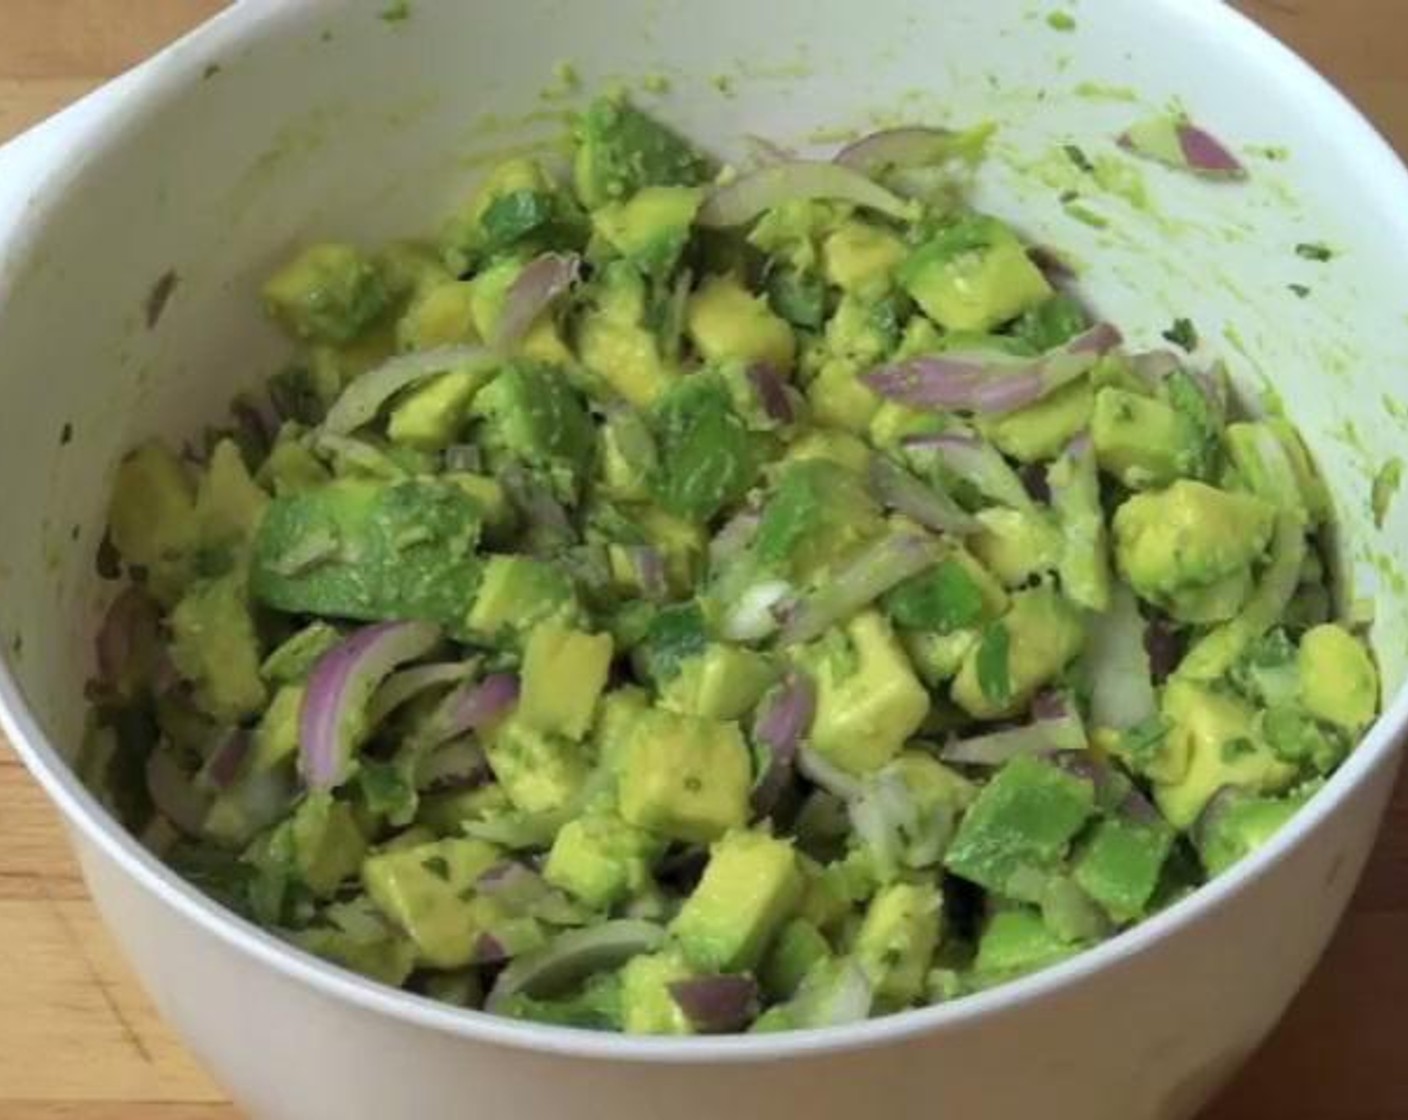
(1385, 487)
(398, 11)
(1061, 21)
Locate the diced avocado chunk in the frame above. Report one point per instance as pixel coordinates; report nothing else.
(1143, 442)
(1039, 431)
(869, 702)
(818, 512)
(1189, 535)
(330, 292)
(327, 844)
(214, 645)
(724, 682)
(1085, 554)
(428, 891)
(1016, 544)
(381, 955)
(897, 940)
(687, 778)
(1120, 863)
(537, 417)
(291, 467)
(369, 550)
(1036, 639)
(430, 417)
(516, 202)
(616, 716)
(151, 520)
(861, 257)
(750, 887)
(276, 737)
(1237, 824)
(1022, 822)
(540, 772)
(646, 1003)
(1220, 737)
(799, 948)
(517, 593)
(621, 150)
(439, 316)
(293, 660)
(229, 505)
(601, 859)
(839, 448)
(955, 594)
(1339, 682)
(973, 276)
(615, 343)
(707, 459)
(727, 322)
(1048, 325)
(564, 673)
(652, 227)
(1016, 941)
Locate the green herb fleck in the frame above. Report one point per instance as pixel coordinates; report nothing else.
(1314, 251)
(1078, 157)
(1084, 214)
(1299, 289)
(1061, 21)
(1183, 333)
(1386, 484)
(1142, 743)
(994, 671)
(398, 11)
(65, 435)
(437, 866)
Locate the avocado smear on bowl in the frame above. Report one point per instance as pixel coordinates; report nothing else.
(680, 601)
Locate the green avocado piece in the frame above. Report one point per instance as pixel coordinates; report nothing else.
(647, 1007)
(1017, 544)
(1085, 556)
(1036, 639)
(707, 457)
(1339, 682)
(431, 416)
(750, 887)
(973, 275)
(330, 292)
(652, 228)
(369, 550)
(1143, 442)
(1120, 863)
(229, 505)
(152, 517)
(722, 682)
(327, 844)
(214, 645)
(620, 150)
(799, 948)
(564, 673)
(1022, 822)
(540, 772)
(1051, 324)
(861, 257)
(817, 513)
(1039, 431)
(379, 954)
(897, 939)
(517, 593)
(1016, 941)
(684, 777)
(601, 859)
(535, 416)
(1239, 823)
(726, 323)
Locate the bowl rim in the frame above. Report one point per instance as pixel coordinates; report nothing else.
(241, 25)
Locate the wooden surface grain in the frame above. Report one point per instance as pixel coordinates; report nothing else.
(79, 1041)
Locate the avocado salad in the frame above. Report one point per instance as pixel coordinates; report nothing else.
(681, 600)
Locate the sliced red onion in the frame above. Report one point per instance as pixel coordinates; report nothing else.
(532, 292)
(471, 707)
(783, 719)
(772, 392)
(756, 613)
(1181, 144)
(1155, 366)
(572, 957)
(332, 721)
(363, 398)
(1117, 665)
(821, 771)
(649, 567)
(1052, 264)
(769, 151)
(910, 146)
(734, 538)
(1065, 732)
(991, 382)
(175, 793)
(753, 193)
(1049, 704)
(878, 568)
(897, 489)
(224, 763)
(547, 518)
(1164, 647)
(1034, 482)
(488, 949)
(976, 462)
(717, 1004)
(131, 626)
(1139, 809)
(456, 764)
(403, 687)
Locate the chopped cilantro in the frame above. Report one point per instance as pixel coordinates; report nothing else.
(1078, 157)
(1314, 251)
(1183, 333)
(994, 671)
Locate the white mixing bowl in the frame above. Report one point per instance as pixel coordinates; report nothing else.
(282, 121)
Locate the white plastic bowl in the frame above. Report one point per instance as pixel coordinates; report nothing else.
(279, 121)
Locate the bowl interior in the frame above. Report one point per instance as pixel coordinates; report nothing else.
(270, 129)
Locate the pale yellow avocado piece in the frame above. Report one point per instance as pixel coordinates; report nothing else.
(615, 344)
(681, 545)
(1218, 734)
(1338, 680)
(840, 399)
(723, 682)
(1044, 635)
(151, 520)
(932, 783)
(1042, 431)
(1016, 544)
(725, 321)
(841, 448)
(499, 514)
(897, 940)
(439, 316)
(616, 718)
(685, 778)
(1188, 535)
(229, 504)
(564, 672)
(214, 645)
(647, 1007)
(601, 859)
(860, 257)
(276, 737)
(541, 773)
(432, 416)
(652, 226)
(488, 294)
(894, 422)
(750, 887)
(869, 703)
(428, 891)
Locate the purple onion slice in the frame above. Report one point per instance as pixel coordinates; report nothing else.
(364, 397)
(402, 687)
(532, 292)
(1178, 143)
(909, 146)
(897, 489)
(783, 720)
(748, 196)
(472, 706)
(717, 1004)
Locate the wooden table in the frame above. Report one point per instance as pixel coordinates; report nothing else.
(78, 1039)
